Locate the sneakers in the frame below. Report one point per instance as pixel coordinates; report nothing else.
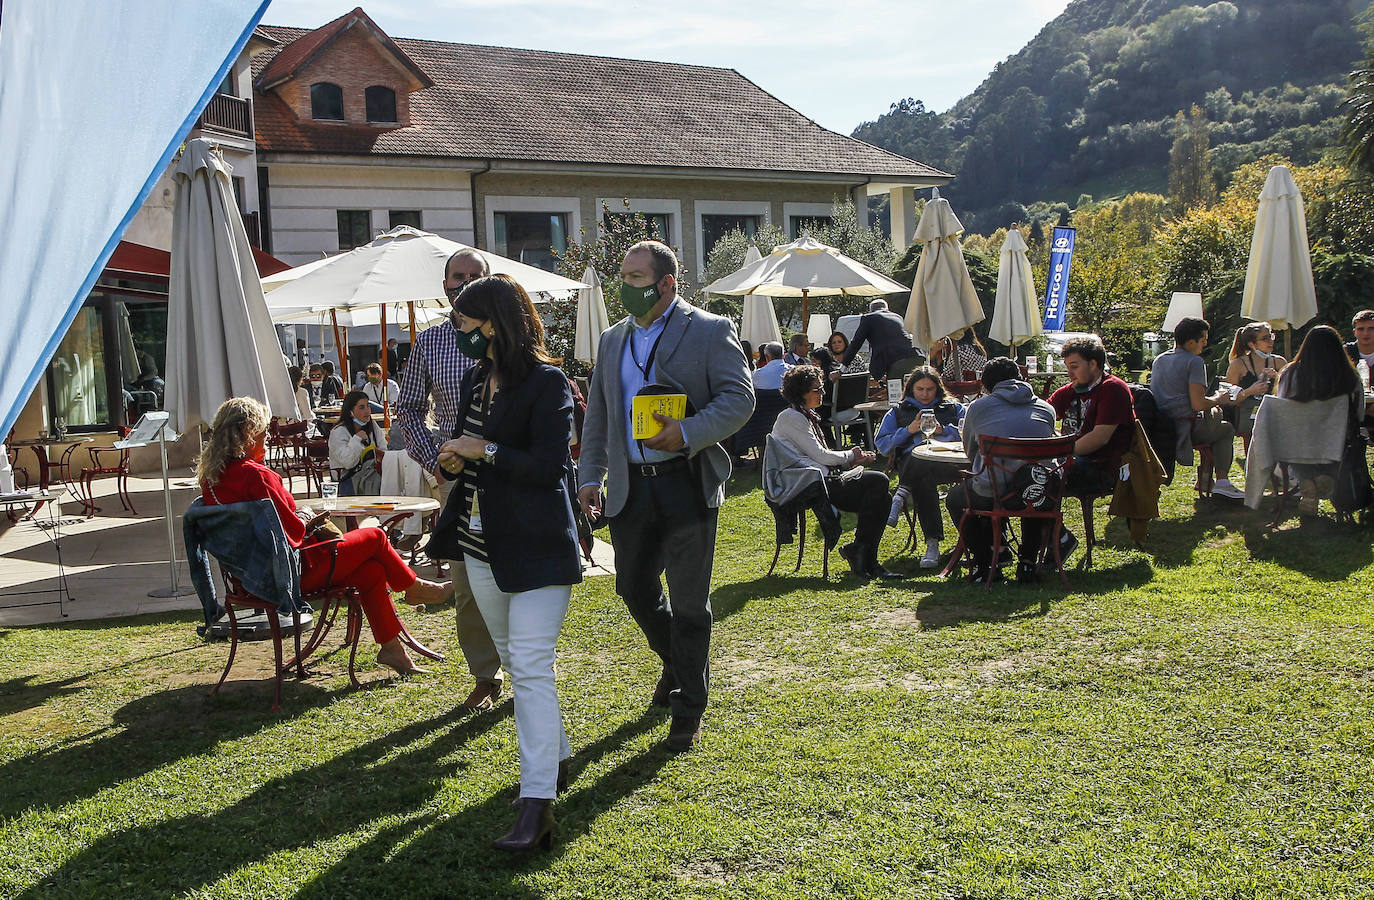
(899, 501)
(1223, 487)
(932, 557)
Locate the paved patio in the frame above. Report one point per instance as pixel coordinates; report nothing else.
(115, 558)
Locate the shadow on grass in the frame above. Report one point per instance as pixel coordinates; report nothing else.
(455, 851)
(147, 734)
(1318, 546)
(425, 855)
(955, 602)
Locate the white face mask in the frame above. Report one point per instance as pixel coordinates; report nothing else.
(1260, 353)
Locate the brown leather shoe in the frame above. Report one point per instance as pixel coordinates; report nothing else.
(683, 734)
(483, 696)
(533, 827)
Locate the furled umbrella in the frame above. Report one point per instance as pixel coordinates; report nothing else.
(806, 268)
(943, 300)
(592, 318)
(759, 322)
(220, 340)
(1278, 280)
(1015, 312)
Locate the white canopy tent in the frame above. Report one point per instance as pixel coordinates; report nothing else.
(63, 210)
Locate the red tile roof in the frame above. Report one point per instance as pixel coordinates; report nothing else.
(299, 52)
(507, 104)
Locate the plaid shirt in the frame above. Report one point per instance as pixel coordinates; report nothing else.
(436, 368)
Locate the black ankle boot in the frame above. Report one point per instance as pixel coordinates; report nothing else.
(533, 827)
(563, 777)
(855, 554)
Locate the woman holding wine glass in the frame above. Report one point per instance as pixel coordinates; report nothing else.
(850, 487)
(926, 412)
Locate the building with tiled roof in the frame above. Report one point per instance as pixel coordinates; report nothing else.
(517, 151)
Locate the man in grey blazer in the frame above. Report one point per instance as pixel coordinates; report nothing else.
(663, 493)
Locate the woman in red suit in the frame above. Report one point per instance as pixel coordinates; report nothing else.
(231, 470)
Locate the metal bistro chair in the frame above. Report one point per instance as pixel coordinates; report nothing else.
(1002, 458)
(106, 461)
(848, 392)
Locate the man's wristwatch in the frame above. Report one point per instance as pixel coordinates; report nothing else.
(489, 453)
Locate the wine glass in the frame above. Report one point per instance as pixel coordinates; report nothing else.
(928, 423)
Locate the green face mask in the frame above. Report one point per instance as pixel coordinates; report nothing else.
(473, 344)
(639, 300)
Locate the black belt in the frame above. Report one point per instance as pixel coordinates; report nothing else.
(654, 470)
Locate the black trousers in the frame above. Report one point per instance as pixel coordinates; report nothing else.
(1087, 477)
(977, 532)
(923, 477)
(666, 530)
(866, 495)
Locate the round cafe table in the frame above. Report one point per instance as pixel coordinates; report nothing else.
(941, 451)
(40, 446)
(390, 508)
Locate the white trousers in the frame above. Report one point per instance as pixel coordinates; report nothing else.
(403, 476)
(524, 627)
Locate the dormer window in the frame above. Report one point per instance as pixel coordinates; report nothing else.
(381, 104)
(326, 101)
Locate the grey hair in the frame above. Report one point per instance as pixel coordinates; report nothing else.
(876, 305)
(773, 350)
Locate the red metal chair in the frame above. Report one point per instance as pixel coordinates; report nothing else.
(1206, 464)
(1002, 457)
(1090, 539)
(964, 390)
(105, 461)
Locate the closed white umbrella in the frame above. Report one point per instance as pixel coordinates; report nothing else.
(943, 300)
(1015, 312)
(592, 318)
(759, 322)
(220, 340)
(806, 268)
(1278, 280)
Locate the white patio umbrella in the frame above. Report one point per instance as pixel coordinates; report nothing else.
(1015, 312)
(592, 318)
(397, 316)
(271, 282)
(943, 300)
(220, 340)
(759, 322)
(1278, 281)
(804, 268)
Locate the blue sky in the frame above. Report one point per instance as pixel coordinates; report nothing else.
(841, 63)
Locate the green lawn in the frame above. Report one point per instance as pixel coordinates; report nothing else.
(1192, 720)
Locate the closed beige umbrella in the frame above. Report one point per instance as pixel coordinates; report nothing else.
(592, 318)
(1278, 280)
(759, 321)
(943, 300)
(1015, 312)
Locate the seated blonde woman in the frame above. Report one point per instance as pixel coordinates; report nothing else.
(231, 471)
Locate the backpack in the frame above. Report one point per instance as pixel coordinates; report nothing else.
(1353, 491)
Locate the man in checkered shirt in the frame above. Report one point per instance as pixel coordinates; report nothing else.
(436, 369)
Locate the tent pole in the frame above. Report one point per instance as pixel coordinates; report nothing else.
(1288, 342)
(386, 399)
(410, 305)
(804, 322)
(338, 346)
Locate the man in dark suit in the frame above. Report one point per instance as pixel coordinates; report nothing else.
(663, 493)
(886, 336)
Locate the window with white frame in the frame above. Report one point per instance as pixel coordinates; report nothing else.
(532, 230)
(663, 216)
(717, 218)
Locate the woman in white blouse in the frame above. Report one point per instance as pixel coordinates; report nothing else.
(850, 487)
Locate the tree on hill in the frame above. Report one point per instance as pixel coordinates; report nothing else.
(1191, 183)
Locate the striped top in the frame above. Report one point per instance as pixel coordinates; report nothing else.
(472, 542)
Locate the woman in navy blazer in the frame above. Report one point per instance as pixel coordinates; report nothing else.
(511, 517)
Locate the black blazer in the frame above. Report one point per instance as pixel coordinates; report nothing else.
(527, 518)
(887, 338)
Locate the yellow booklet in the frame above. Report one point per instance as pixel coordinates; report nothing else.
(644, 407)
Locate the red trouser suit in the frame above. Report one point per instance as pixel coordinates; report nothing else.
(368, 562)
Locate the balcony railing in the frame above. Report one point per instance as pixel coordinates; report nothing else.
(230, 115)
